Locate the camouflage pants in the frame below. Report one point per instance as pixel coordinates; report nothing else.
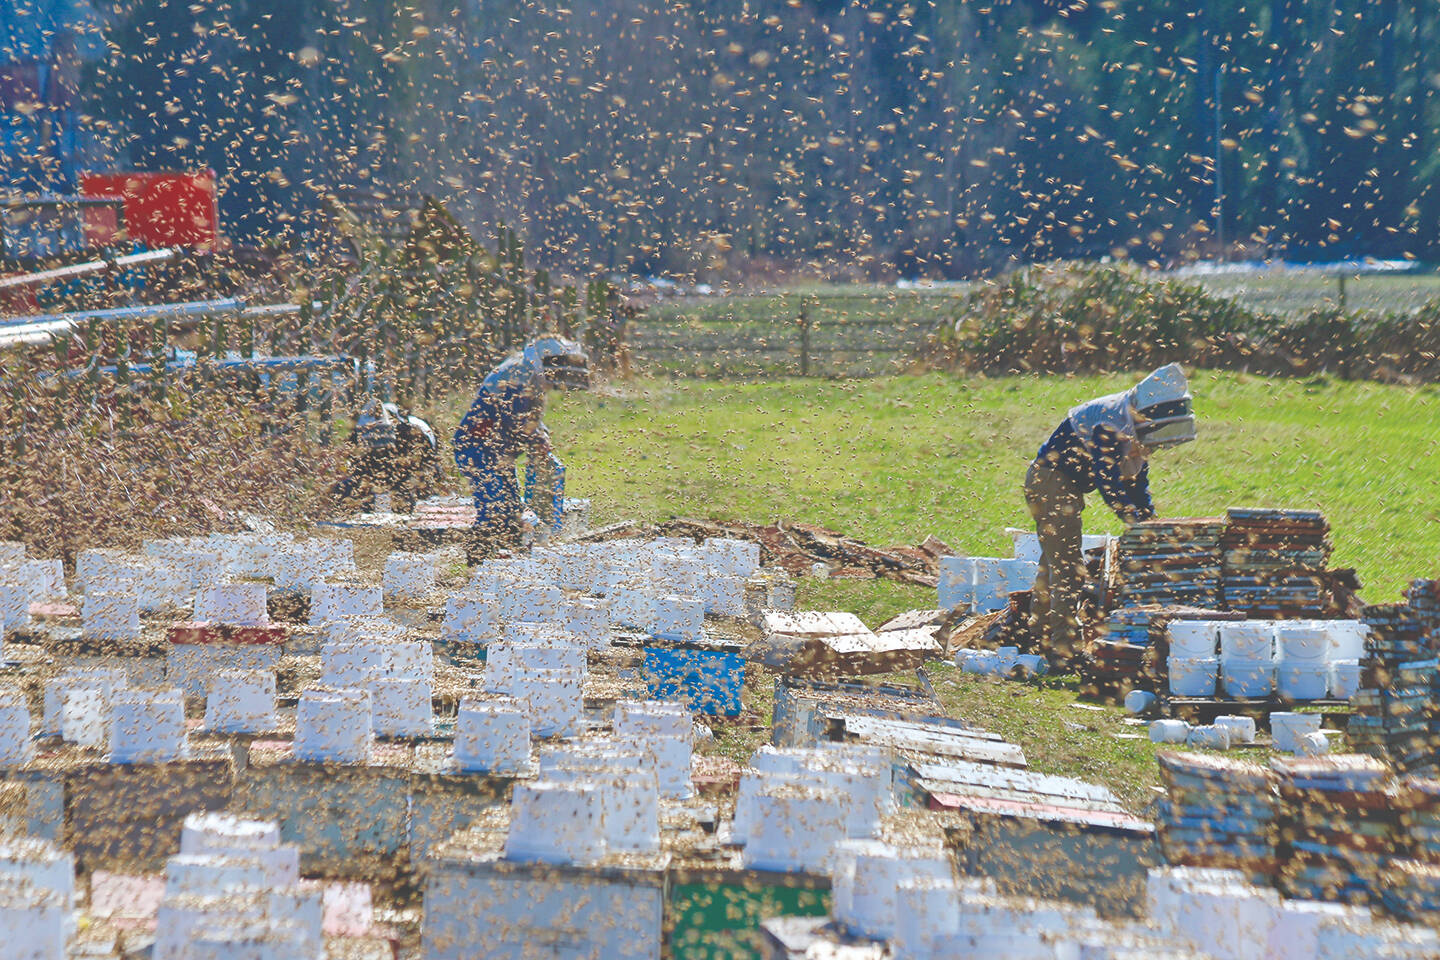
(1056, 505)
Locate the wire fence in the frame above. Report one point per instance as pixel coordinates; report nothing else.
(790, 334)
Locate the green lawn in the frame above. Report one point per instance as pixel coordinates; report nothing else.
(893, 459)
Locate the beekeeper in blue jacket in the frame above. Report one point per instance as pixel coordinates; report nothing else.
(1103, 445)
(505, 420)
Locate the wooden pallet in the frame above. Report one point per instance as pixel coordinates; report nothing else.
(1201, 710)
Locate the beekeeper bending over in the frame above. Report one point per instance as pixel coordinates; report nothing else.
(1102, 445)
(504, 421)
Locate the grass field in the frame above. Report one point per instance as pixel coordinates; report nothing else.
(893, 459)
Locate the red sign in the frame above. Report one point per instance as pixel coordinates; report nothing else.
(162, 209)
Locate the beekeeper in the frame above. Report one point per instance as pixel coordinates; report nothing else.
(399, 457)
(505, 420)
(1103, 445)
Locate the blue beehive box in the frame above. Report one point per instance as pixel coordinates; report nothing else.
(707, 676)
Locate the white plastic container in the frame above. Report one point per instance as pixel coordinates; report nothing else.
(16, 747)
(1241, 729)
(401, 707)
(333, 725)
(1302, 679)
(409, 576)
(147, 726)
(1169, 731)
(492, 736)
(1138, 701)
(1247, 678)
(1302, 640)
(956, 582)
(240, 604)
(1193, 677)
(1193, 639)
(1344, 678)
(110, 616)
(1210, 736)
(1313, 744)
(555, 823)
(1030, 665)
(240, 701)
(1347, 639)
(471, 618)
(1247, 640)
(1286, 729)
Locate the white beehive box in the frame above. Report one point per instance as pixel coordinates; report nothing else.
(588, 620)
(240, 701)
(401, 706)
(330, 602)
(553, 699)
(554, 822)
(16, 747)
(191, 666)
(147, 726)
(34, 920)
(679, 617)
(236, 604)
(409, 576)
(106, 679)
(664, 731)
(14, 606)
(333, 725)
(796, 828)
(471, 617)
(530, 600)
(110, 616)
(492, 736)
(512, 907)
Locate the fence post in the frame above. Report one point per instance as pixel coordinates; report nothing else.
(302, 350)
(92, 353)
(804, 337)
(1340, 280)
(159, 336)
(17, 404)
